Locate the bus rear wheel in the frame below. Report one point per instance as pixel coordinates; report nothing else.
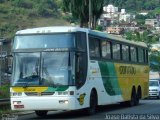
(93, 104)
(41, 113)
(133, 100)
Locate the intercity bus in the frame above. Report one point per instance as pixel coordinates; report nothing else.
(72, 68)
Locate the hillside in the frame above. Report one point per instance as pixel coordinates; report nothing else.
(135, 5)
(21, 14)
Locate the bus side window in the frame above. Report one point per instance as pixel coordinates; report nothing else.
(81, 69)
(125, 52)
(94, 49)
(106, 49)
(133, 54)
(116, 51)
(140, 55)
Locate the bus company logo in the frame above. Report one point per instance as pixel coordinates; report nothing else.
(127, 70)
(81, 98)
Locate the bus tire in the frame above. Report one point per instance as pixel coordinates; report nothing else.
(138, 96)
(137, 100)
(93, 103)
(41, 113)
(133, 98)
(132, 101)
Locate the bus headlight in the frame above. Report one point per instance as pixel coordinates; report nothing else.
(63, 101)
(16, 94)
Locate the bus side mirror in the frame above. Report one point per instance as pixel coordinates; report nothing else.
(8, 70)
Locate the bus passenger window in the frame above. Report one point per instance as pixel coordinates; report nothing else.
(133, 54)
(81, 69)
(116, 51)
(94, 49)
(106, 49)
(125, 52)
(140, 55)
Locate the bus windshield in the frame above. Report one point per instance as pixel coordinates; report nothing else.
(41, 68)
(65, 40)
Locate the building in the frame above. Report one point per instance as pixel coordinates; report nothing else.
(114, 30)
(143, 13)
(125, 18)
(110, 9)
(152, 22)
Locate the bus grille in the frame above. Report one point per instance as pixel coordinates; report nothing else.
(39, 93)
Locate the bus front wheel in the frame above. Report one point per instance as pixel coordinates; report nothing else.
(41, 113)
(93, 103)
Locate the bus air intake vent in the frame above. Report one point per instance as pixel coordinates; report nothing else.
(39, 94)
(47, 93)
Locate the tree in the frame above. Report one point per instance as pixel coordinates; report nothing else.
(97, 9)
(80, 10)
(145, 36)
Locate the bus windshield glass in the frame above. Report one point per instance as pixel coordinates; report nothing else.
(41, 68)
(65, 40)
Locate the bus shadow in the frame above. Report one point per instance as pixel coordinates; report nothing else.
(81, 114)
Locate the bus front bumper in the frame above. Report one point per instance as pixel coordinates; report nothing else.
(43, 103)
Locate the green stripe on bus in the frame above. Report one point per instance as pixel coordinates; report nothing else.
(59, 88)
(109, 77)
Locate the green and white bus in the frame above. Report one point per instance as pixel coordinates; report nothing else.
(71, 68)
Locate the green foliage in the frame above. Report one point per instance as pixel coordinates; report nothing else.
(3, 9)
(145, 36)
(134, 5)
(23, 3)
(2, 1)
(4, 91)
(43, 11)
(21, 14)
(80, 10)
(99, 28)
(70, 18)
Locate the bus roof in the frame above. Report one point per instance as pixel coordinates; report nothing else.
(57, 29)
(117, 38)
(54, 29)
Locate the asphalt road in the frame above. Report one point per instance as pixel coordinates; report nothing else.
(148, 109)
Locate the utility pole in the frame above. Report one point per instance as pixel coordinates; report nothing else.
(90, 14)
(1, 43)
(1, 62)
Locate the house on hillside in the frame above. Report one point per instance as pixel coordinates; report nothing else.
(152, 22)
